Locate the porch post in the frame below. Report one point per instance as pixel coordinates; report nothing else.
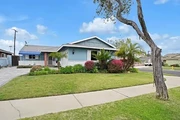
(45, 59)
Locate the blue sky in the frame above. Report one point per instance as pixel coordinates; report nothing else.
(58, 22)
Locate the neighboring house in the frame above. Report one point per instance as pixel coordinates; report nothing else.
(173, 58)
(5, 58)
(145, 59)
(78, 52)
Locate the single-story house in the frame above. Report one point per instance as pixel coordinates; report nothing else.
(78, 52)
(173, 58)
(5, 58)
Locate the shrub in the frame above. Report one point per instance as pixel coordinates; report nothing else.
(97, 64)
(133, 70)
(89, 65)
(47, 69)
(24, 66)
(66, 70)
(95, 70)
(166, 65)
(115, 66)
(78, 68)
(175, 65)
(53, 72)
(103, 71)
(42, 72)
(36, 68)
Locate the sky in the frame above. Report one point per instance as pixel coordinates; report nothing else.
(57, 22)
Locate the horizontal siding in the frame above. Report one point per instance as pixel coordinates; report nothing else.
(79, 54)
(170, 62)
(93, 43)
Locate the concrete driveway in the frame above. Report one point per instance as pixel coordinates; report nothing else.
(7, 74)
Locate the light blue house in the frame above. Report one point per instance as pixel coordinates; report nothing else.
(78, 52)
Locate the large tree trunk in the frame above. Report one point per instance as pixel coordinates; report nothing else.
(161, 89)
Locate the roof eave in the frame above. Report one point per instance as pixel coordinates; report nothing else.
(92, 38)
(78, 46)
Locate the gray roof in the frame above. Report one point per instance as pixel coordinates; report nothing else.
(37, 48)
(4, 51)
(172, 56)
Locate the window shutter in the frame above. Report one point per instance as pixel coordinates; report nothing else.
(26, 56)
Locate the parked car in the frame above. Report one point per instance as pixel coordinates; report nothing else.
(148, 64)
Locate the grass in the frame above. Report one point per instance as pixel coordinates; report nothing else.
(144, 107)
(59, 84)
(170, 68)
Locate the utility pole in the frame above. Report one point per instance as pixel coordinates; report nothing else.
(15, 31)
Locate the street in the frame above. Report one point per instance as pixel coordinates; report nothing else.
(170, 72)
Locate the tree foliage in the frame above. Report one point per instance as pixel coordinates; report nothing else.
(58, 56)
(129, 52)
(103, 56)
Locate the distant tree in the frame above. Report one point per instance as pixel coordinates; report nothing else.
(103, 56)
(58, 56)
(117, 9)
(129, 52)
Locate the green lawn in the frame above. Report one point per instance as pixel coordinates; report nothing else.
(49, 85)
(170, 68)
(144, 107)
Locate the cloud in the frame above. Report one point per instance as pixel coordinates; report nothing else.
(134, 38)
(13, 18)
(5, 44)
(104, 26)
(21, 18)
(160, 2)
(124, 28)
(41, 29)
(175, 38)
(168, 43)
(21, 34)
(98, 25)
(157, 36)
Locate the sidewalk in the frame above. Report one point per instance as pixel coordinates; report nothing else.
(15, 109)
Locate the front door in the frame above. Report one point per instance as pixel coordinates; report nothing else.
(49, 60)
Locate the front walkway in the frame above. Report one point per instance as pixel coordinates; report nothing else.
(15, 109)
(7, 74)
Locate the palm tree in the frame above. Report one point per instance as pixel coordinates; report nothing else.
(103, 56)
(129, 52)
(58, 56)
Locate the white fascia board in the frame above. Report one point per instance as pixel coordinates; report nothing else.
(78, 46)
(92, 38)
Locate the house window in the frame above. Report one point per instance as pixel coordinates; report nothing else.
(3, 55)
(93, 53)
(32, 57)
(26, 57)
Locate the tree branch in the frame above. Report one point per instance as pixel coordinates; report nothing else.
(148, 39)
(126, 21)
(140, 17)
